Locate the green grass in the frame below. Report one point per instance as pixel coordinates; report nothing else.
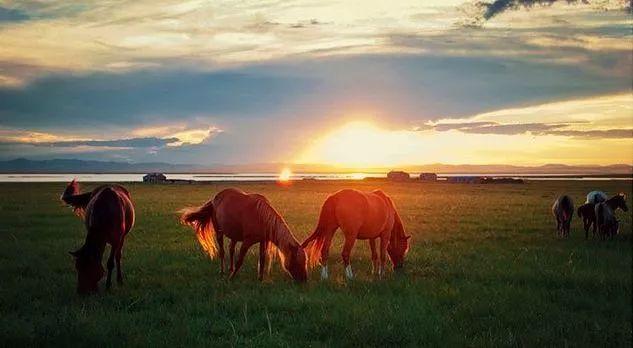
(485, 269)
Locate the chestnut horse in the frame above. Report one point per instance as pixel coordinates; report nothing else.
(108, 214)
(360, 215)
(250, 219)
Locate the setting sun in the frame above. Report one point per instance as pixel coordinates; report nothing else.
(285, 175)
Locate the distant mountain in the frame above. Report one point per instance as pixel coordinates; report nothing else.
(22, 165)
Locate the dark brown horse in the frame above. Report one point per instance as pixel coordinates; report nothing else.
(588, 214)
(250, 219)
(108, 214)
(563, 211)
(360, 215)
(608, 224)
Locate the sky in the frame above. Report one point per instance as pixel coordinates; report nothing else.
(344, 83)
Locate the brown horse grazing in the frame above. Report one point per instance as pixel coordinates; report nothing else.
(563, 211)
(109, 215)
(250, 219)
(360, 215)
(588, 214)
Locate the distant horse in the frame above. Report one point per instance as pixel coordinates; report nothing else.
(563, 210)
(360, 215)
(588, 214)
(108, 213)
(250, 219)
(606, 221)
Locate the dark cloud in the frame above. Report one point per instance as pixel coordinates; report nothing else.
(485, 10)
(483, 127)
(148, 142)
(12, 15)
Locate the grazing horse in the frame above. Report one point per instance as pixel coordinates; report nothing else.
(563, 210)
(360, 215)
(108, 214)
(588, 214)
(606, 221)
(250, 219)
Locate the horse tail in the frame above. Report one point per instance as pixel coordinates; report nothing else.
(203, 220)
(79, 202)
(316, 241)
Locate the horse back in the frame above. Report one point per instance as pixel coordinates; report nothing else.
(110, 212)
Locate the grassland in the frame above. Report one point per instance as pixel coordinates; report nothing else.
(485, 269)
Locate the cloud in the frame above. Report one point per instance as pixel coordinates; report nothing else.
(148, 142)
(604, 117)
(597, 134)
(532, 128)
(493, 8)
(12, 15)
(496, 128)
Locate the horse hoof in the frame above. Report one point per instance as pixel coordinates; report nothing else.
(324, 273)
(348, 272)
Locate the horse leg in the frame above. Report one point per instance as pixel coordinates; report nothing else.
(263, 249)
(240, 257)
(231, 255)
(219, 238)
(325, 253)
(119, 272)
(347, 251)
(374, 256)
(384, 241)
(111, 266)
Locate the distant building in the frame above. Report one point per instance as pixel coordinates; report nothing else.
(153, 178)
(428, 176)
(398, 175)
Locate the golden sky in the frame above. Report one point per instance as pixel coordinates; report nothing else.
(377, 83)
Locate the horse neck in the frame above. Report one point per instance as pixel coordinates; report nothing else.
(281, 237)
(613, 203)
(96, 243)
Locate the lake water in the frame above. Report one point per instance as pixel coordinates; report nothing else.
(267, 177)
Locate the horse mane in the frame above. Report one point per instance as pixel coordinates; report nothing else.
(277, 233)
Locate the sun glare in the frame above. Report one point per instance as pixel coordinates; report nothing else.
(357, 144)
(285, 175)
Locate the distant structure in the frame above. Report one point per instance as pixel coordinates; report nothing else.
(153, 178)
(428, 176)
(482, 180)
(464, 179)
(398, 175)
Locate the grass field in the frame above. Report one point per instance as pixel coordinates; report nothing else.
(485, 269)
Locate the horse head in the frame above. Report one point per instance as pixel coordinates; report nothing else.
(71, 189)
(399, 245)
(622, 202)
(89, 270)
(297, 264)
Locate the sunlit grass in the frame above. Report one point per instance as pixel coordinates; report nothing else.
(484, 269)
